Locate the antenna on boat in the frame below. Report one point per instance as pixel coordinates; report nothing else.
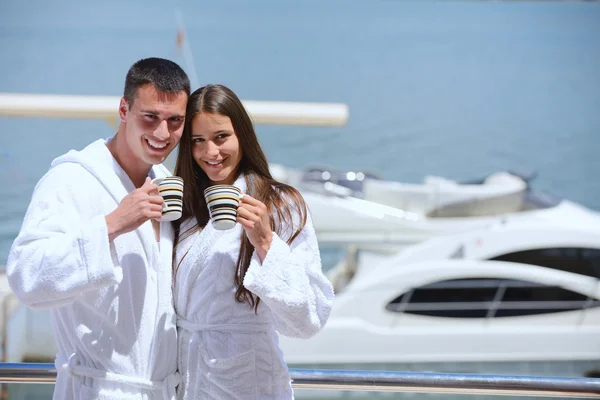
(183, 43)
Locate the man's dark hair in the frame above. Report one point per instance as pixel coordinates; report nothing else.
(165, 75)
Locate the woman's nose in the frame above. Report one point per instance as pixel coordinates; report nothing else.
(212, 149)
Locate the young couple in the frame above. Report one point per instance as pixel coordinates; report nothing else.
(144, 309)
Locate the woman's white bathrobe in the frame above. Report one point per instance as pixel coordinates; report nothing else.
(226, 351)
(111, 304)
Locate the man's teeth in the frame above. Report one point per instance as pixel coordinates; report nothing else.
(157, 145)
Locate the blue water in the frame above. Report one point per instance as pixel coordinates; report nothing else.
(459, 89)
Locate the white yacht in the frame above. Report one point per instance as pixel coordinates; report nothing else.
(501, 192)
(516, 297)
(367, 212)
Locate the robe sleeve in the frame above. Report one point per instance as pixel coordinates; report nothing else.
(292, 285)
(58, 254)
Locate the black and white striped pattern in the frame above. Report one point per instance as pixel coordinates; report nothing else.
(222, 202)
(171, 190)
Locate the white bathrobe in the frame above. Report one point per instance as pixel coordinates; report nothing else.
(226, 351)
(111, 304)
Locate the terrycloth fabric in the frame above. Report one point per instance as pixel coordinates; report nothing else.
(111, 304)
(226, 351)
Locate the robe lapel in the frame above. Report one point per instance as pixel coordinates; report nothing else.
(196, 260)
(119, 189)
(166, 245)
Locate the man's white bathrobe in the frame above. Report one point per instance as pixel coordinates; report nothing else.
(226, 351)
(111, 304)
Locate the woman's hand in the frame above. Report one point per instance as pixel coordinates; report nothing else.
(254, 217)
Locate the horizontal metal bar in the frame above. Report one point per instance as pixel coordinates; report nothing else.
(425, 382)
(27, 373)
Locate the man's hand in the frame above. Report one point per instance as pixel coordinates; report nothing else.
(136, 208)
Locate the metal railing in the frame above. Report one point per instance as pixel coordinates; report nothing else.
(535, 386)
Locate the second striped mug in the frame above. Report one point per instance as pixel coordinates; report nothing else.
(222, 202)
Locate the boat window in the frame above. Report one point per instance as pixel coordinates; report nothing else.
(488, 298)
(583, 261)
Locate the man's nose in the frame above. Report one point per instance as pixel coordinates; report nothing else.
(162, 131)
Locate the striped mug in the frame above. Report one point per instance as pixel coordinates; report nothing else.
(171, 190)
(222, 202)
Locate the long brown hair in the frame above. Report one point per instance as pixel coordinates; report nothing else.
(283, 201)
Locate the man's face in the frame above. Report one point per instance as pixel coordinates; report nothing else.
(153, 123)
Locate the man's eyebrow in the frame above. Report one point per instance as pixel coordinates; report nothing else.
(158, 114)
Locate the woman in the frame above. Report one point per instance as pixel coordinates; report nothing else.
(235, 289)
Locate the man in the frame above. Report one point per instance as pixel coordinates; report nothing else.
(91, 249)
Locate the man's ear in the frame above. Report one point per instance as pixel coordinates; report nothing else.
(123, 109)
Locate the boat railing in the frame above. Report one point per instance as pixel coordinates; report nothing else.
(382, 381)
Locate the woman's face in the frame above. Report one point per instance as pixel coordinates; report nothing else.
(215, 147)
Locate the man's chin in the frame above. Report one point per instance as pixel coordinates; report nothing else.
(157, 159)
